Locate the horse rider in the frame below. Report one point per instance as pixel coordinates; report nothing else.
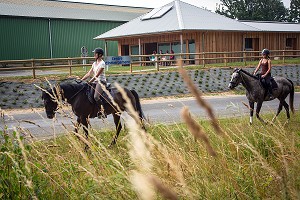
(265, 64)
(98, 70)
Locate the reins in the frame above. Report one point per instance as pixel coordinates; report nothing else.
(258, 79)
(70, 99)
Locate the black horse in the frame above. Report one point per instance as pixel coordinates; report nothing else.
(76, 94)
(255, 92)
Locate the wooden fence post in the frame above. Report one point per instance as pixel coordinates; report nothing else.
(130, 67)
(156, 63)
(203, 59)
(33, 68)
(70, 64)
(225, 59)
(245, 58)
(283, 59)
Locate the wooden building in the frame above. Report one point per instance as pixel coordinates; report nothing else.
(182, 27)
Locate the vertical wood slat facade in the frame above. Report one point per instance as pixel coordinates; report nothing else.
(219, 41)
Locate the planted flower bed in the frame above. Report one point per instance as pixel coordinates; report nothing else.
(26, 95)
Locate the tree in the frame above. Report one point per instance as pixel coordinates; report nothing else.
(258, 10)
(294, 12)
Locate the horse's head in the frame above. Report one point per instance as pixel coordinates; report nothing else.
(235, 79)
(50, 103)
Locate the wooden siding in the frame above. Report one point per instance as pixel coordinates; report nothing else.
(218, 41)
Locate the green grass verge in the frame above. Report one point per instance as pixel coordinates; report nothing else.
(252, 162)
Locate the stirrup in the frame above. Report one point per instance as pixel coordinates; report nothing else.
(101, 113)
(270, 95)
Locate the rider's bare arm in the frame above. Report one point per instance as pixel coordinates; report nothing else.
(257, 68)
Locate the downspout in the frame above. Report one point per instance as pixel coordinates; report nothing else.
(105, 48)
(50, 38)
(105, 51)
(243, 47)
(140, 48)
(203, 48)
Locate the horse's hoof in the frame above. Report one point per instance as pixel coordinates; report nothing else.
(287, 122)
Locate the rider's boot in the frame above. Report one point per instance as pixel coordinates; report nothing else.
(101, 113)
(270, 93)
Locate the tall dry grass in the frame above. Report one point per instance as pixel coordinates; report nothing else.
(188, 160)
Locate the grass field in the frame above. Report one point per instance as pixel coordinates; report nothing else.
(245, 162)
(195, 159)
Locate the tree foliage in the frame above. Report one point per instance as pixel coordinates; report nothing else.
(294, 12)
(258, 10)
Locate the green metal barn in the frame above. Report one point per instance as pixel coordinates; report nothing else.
(57, 29)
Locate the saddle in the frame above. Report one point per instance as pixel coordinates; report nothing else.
(104, 98)
(268, 87)
(272, 85)
(91, 91)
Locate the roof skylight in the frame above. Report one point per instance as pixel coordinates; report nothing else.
(157, 13)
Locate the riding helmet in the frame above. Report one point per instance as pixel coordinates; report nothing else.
(265, 51)
(99, 51)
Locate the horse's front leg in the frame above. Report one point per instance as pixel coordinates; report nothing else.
(118, 128)
(258, 107)
(85, 126)
(278, 111)
(77, 125)
(286, 106)
(251, 104)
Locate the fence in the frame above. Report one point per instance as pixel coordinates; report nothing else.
(207, 57)
(34, 64)
(200, 58)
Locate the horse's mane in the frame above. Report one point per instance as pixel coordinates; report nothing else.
(251, 75)
(72, 87)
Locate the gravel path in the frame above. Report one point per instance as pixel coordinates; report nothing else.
(156, 111)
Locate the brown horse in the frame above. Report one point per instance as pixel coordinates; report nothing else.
(77, 96)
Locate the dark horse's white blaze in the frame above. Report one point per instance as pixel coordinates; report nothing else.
(255, 92)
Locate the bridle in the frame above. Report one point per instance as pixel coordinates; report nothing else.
(234, 82)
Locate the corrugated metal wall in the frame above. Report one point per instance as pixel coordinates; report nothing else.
(22, 38)
(26, 38)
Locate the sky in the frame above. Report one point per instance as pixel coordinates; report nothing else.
(208, 4)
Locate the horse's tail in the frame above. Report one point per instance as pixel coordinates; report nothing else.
(292, 92)
(138, 104)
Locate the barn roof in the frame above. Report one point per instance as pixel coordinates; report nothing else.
(69, 10)
(273, 26)
(181, 16)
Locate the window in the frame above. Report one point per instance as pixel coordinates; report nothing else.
(192, 50)
(164, 47)
(248, 43)
(289, 43)
(134, 50)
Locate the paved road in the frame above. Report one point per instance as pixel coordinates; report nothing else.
(157, 111)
